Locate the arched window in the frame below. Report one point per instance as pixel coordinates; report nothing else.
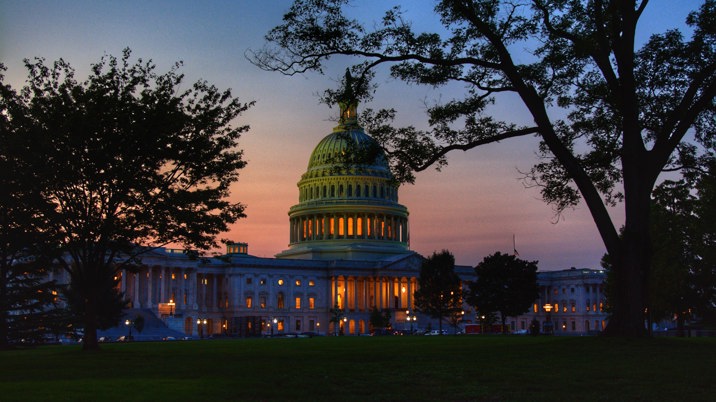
(350, 190)
(358, 190)
(333, 191)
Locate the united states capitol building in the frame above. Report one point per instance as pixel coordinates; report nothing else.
(348, 251)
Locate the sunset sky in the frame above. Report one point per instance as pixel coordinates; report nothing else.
(473, 207)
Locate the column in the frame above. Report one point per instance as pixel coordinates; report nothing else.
(135, 281)
(149, 288)
(162, 285)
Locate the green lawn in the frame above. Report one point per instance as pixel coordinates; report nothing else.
(420, 368)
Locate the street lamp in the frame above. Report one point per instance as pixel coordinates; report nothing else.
(548, 326)
(345, 322)
(275, 321)
(171, 307)
(129, 323)
(411, 320)
(199, 324)
(318, 328)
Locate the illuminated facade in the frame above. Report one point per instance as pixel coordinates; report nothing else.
(571, 302)
(348, 248)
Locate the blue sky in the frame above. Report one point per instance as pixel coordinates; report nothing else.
(472, 208)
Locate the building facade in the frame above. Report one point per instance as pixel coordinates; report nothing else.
(570, 302)
(348, 254)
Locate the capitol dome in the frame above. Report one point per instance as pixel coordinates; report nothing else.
(348, 200)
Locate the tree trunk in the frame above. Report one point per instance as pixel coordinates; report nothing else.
(632, 261)
(4, 316)
(89, 340)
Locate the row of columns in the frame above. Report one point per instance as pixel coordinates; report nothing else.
(364, 293)
(349, 226)
(312, 192)
(187, 288)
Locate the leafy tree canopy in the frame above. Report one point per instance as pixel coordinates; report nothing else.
(127, 157)
(439, 291)
(610, 117)
(505, 284)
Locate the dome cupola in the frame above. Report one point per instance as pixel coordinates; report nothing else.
(348, 199)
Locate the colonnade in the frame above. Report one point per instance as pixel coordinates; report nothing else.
(360, 293)
(349, 226)
(186, 288)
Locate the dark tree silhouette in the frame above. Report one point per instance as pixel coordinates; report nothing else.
(439, 293)
(505, 284)
(127, 157)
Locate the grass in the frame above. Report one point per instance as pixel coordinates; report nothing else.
(448, 368)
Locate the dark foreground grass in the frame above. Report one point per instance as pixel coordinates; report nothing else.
(449, 368)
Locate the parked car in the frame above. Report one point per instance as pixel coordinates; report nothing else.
(436, 332)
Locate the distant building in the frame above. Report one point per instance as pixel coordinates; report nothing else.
(571, 302)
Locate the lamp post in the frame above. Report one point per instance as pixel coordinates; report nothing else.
(343, 328)
(548, 323)
(171, 307)
(129, 323)
(318, 328)
(200, 324)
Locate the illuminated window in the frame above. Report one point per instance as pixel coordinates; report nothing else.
(535, 308)
(280, 300)
(280, 282)
(173, 276)
(350, 226)
(249, 301)
(262, 301)
(601, 306)
(588, 307)
(186, 276)
(298, 282)
(298, 303)
(279, 325)
(340, 226)
(574, 307)
(311, 283)
(331, 227)
(359, 226)
(311, 303)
